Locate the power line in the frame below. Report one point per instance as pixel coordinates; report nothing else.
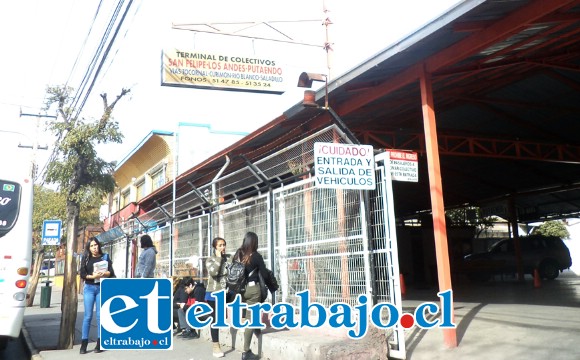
(124, 37)
(76, 108)
(84, 42)
(98, 52)
(105, 56)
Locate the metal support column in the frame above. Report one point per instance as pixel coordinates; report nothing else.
(438, 207)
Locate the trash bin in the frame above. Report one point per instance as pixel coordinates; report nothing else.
(45, 292)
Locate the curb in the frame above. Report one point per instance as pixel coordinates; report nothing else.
(32, 350)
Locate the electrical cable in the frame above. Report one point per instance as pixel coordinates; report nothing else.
(90, 69)
(98, 52)
(84, 43)
(104, 57)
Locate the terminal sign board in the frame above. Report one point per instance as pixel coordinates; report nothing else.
(344, 166)
(225, 71)
(404, 166)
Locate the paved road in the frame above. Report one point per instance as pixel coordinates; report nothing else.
(14, 350)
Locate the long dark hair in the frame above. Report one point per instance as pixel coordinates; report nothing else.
(146, 241)
(249, 246)
(87, 252)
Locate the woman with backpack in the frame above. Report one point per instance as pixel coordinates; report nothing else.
(217, 270)
(248, 255)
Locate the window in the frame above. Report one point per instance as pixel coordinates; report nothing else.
(140, 189)
(116, 205)
(158, 179)
(125, 198)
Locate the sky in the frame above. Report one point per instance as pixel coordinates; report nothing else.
(51, 42)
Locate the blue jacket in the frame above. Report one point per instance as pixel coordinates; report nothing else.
(146, 263)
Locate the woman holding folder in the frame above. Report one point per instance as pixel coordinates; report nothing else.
(94, 267)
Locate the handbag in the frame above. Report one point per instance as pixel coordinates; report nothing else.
(263, 287)
(270, 284)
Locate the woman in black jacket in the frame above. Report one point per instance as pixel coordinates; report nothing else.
(254, 262)
(94, 267)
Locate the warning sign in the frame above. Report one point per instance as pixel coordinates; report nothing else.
(404, 166)
(344, 166)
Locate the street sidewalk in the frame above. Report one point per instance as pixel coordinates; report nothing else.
(41, 331)
(496, 320)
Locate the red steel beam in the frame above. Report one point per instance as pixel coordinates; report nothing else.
(477, 146)
(455, 53)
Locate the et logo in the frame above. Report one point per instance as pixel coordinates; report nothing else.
(136, 314)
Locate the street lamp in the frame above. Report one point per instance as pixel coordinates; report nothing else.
(305, 80)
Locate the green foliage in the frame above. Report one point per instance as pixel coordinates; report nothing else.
(80, 174)
(75, 166)
(51, 205)
(552, 228)
(90, 207)
(467, 216)
(48, 205)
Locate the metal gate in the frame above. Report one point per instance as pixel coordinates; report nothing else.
(339, 244)
(385, 248)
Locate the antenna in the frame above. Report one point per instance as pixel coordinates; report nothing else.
(327, 43)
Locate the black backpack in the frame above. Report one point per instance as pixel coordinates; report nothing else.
(236, 278)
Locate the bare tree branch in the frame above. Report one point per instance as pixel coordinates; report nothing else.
(108, 109)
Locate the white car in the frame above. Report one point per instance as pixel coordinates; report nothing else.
(44, 269)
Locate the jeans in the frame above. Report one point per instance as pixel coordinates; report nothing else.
(182, 319)
(92, 296)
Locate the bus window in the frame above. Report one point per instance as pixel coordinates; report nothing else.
(9, 205)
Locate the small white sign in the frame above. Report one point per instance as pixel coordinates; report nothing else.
(344, 166)
(404, 166)
(51, 232)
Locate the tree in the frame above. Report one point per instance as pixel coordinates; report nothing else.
(552, 228)
(51, 204)
(48, 204)
(78, 171)
(469, 216)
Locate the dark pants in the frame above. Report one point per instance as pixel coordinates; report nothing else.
(215, 333)
(182, 320)
(250, 296)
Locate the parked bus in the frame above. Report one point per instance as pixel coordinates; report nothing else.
(16, 190)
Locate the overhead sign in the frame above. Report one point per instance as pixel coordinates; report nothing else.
(51, 232)
(404, 165)
(344, 166)
(221, 71)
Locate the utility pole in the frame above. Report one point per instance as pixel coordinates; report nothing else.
(35, 145)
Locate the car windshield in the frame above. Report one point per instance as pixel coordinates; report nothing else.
(502, 246)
